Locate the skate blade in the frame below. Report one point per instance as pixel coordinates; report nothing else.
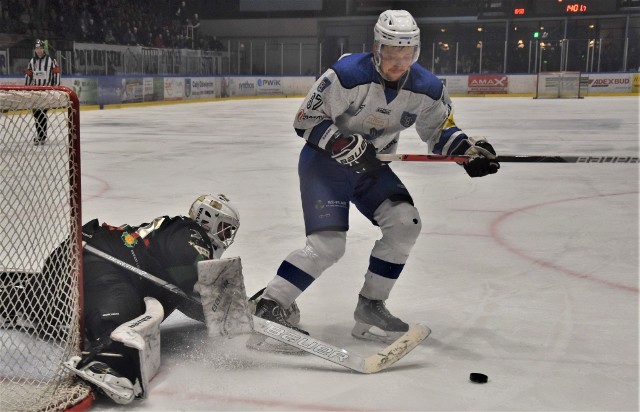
(263, 343)
(120, 390)
(373, 333)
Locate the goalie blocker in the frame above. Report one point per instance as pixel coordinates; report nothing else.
(223, 297)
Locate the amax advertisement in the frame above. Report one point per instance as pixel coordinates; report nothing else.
(115, 90)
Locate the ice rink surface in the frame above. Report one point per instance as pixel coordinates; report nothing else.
(529, 276)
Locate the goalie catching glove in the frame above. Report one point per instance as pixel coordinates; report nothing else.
(354, 152)
(483, 157)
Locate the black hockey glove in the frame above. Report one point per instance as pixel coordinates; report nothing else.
(483, 157)
(354, 152)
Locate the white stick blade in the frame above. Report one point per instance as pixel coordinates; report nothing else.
(308, 344)
(371, 364)
(397, 350)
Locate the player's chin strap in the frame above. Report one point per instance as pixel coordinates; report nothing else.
(398, 83)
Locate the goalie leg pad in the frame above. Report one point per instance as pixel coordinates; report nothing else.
(143, 334)
(224, 297)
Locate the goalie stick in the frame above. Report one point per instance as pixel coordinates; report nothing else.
(369, 364)
(166, 285)
(508, 158)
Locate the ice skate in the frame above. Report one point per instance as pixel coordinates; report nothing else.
(272, 311)
(374, 322)
(107, 380)
(291, 314)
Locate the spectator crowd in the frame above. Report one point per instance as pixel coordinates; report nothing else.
(149, 23)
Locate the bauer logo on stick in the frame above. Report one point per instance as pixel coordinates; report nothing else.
(306, 341)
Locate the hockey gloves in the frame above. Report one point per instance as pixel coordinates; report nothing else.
(354, 152)
(482, 156)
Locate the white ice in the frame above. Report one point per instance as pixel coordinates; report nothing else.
(529, 276)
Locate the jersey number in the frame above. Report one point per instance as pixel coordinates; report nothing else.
(314, 102)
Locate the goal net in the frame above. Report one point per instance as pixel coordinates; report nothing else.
(40, 249)
(560, 85)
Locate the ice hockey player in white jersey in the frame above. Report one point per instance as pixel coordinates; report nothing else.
(354, 111)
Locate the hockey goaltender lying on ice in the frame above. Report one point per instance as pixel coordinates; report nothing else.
(227, 313)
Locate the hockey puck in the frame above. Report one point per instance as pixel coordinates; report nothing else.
(478, 378)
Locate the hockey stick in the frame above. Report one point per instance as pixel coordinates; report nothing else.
(509, 158)
(163, 284)
(370, 364)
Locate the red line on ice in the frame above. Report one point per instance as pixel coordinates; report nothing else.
(496, 235)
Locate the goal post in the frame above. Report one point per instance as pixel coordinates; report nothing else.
(560, 85)
(40, 249)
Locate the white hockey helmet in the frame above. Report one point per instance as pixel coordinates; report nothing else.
(218, 217)
(396, 28)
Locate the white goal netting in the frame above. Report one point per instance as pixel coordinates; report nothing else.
(40, 244)
(560, 85)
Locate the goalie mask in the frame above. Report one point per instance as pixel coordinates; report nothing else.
(395, 28)
(219, 218)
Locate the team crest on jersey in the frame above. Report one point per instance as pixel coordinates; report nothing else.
(408, 119)
(324, 84)
(129, 240)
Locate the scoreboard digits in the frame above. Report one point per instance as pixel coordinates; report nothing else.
(529, 8)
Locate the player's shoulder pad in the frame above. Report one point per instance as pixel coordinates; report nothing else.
(422, 81)
(355, 69)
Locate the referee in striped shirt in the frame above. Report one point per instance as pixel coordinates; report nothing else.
(42, 70)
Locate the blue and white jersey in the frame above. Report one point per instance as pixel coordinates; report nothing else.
(350, 98)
